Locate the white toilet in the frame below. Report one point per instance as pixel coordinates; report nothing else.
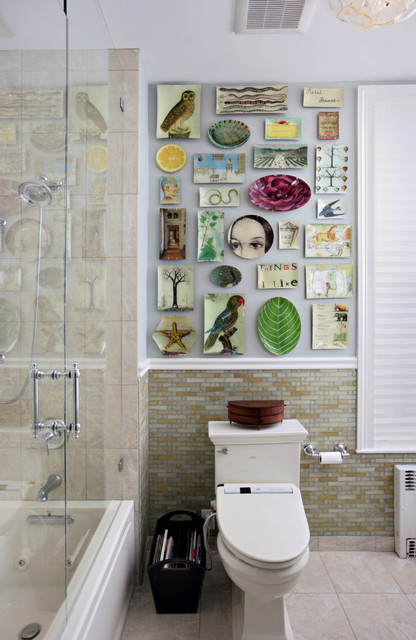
(263, 537)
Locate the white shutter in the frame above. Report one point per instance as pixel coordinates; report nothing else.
(387, 268)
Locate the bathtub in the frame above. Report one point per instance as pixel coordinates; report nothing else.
(99, 568)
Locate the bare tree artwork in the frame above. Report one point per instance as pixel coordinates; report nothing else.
(176, 276)
(93, 273)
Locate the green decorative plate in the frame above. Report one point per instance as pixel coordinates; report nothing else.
(228, 134)
(279, 326)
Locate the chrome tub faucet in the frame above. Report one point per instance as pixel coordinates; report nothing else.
(52, 483)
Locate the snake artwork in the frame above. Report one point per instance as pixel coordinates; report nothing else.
(216, 197)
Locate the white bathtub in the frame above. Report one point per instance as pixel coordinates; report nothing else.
(100, 570)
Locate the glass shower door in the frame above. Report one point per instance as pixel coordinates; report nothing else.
(33, 254)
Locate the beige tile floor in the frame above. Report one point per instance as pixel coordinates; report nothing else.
(342, 595)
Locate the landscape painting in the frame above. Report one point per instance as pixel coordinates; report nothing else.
(293, 156)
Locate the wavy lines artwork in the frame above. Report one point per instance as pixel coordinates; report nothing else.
(48, 103)
(249, 99)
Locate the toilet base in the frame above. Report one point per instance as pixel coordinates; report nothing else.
(256, 620)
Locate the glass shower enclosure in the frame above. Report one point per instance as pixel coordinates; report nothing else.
(58, 264)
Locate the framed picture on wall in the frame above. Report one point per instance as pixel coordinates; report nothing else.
(172, 234)
(45, 103)
(329, 325)
(252, 99)
(329, 281)
(288, 234)
(287, 129)
(219, 167)
(219, 196)
(170, 190)
(88, 111)
(175, 287)
(174, 335)
(210, 236)
(289, 156)
(328, 125)
(331, 168)
(330, 208)
(282, 275)
(328, 241)
(178, 111)
(224, 324)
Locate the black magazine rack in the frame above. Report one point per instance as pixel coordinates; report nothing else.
(176, 581)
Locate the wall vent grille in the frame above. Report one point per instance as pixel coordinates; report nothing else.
(410, 480)
(273, 16)
(411, 547)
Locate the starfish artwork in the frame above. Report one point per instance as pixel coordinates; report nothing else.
(174, 336)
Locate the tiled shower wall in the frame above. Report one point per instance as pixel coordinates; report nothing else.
(352, 499)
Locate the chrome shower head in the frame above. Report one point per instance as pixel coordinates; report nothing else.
(38, 192)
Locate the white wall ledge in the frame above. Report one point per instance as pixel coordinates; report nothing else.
(248, 364)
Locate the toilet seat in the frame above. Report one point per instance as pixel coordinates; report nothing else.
(263, 525)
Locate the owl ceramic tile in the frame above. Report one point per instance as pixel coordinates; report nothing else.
(178, 111)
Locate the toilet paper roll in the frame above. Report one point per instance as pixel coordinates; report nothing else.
(330, 457)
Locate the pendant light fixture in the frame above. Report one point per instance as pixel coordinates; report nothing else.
(367, 14)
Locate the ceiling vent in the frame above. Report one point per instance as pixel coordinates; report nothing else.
(256, 17)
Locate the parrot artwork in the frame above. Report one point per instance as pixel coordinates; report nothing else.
(224, 321)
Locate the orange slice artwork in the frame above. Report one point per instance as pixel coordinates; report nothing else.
(171, 157)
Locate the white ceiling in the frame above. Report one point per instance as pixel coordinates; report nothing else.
(194, 41)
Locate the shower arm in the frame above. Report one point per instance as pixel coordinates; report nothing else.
(73, 374)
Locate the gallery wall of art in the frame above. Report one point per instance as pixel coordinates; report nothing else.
(252, 235)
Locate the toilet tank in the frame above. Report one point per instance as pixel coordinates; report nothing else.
(246, 454)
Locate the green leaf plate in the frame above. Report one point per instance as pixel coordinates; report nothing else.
(279, 326)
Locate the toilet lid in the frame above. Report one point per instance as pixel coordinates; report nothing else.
(263, 522)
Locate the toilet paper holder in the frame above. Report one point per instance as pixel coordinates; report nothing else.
(310, 450)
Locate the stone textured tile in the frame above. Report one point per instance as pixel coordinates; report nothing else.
(358, 572)
(402, 569)
(316, 618)
(315, 578)
(143, 622)
(380, 616)
(215, 617)
(216, 580)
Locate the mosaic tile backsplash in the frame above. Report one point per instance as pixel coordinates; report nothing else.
(352, 499)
